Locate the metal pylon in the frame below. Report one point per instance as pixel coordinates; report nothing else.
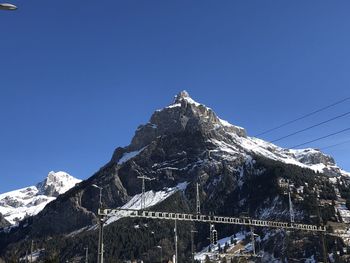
(198, 201)
(291, 211)
(143, 200)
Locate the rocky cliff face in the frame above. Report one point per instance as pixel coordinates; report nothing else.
(187, 142)
(183, 115)
(3, 221)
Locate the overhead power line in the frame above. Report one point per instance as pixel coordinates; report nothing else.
(312, 126)
(303, 117)
(334, 145)
(320, 138)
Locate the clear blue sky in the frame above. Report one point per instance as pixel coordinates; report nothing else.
(78, 77)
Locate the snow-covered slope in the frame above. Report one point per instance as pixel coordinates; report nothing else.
(57, 183)
(28, 201)
(225, 141)
(233, 248)
(232, 141)
(307, 158)
(151, 198)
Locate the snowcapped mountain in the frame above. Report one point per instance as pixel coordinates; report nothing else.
(183, 144)
(225, 140)
(19, 204)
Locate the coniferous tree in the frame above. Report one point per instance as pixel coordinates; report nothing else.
(207, 259)
(226, 247)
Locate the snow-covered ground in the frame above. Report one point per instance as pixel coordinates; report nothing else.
(344, 213)
(127, 156)
(289, 156)
(29, 201)
(238, 238)
(57, 183)
(151, 198)
(34, 256)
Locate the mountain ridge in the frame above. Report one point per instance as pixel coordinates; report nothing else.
(18, 204)
(175, 117)
(187, 142)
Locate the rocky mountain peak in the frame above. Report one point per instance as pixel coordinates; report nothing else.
(182, 95)
(184, 98)
(186, 118)
(183, 115)
(21, 203)
(313, 156)
(56, 183)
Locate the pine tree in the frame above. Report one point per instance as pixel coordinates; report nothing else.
(207, 260)
(226, 247)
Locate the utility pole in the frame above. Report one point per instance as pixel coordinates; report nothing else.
(143, 201)
(31, 251)
(100, 230)
(192, 244)
(86, 255)
(325, 256)
(161, 253)
(291, 212)
(198, 202)
(175, 240)
(100, 239)
(253, 240)
(324, 248)
(213, 235)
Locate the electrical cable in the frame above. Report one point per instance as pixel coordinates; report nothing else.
(302, 117)
(320, 138)
(334, 145)
(312, 126)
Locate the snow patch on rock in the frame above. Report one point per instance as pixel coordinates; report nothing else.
(127, 156)
(151, 198)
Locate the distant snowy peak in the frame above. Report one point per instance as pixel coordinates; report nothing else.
(312, 156)
(19, 204)
(56, 183)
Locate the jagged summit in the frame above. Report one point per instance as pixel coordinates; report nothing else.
(181, 95)
(183, 115)
(184, 96)
(56, 183)
(187, 118)
(28, 201)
